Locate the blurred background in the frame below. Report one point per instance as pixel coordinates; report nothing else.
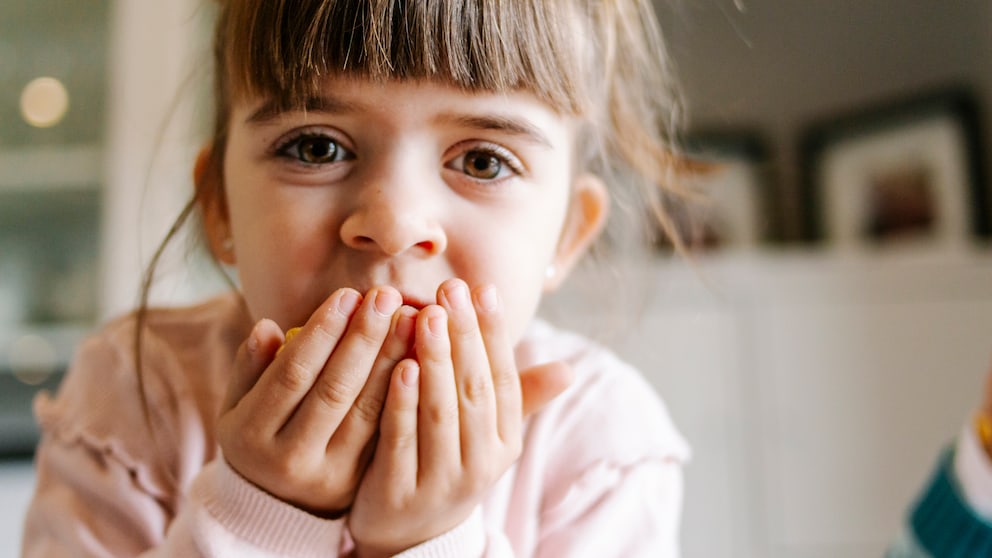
(829, 338)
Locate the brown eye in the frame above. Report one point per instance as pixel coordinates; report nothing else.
(317, 150)
(482, 165)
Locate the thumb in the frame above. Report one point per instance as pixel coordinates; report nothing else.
(542, 383)
(252, 358)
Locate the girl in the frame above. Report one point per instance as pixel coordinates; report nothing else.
(403, 180)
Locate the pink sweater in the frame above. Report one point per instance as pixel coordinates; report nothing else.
(600, 473)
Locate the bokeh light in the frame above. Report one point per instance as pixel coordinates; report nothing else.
(44, 102)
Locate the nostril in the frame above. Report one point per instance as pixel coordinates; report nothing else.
(363, 241)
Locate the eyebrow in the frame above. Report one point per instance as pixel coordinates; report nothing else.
(503, 124)
(272, 108)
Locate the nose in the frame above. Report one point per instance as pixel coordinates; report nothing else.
(394, 219)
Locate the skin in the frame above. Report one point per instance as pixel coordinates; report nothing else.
(410, 227)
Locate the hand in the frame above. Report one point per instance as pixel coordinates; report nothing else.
(299, 424)
(451, 425)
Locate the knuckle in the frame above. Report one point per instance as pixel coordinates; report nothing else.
(367, 337)
(332, 393)
(369, 331)
(476, 388)
(506, 381)
(464, 326)
(441, 413)
(296, 376)
(367, 408)
(393, 350)
(403, 440)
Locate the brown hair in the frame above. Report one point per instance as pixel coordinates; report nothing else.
(601, 60)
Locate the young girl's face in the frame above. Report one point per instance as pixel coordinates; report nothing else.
(402, 183)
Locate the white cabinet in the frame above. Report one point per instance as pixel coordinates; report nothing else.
(816, 390)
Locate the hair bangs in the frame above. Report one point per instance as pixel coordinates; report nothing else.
(284, 49)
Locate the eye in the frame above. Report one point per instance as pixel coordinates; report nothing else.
(483, 165)
(487, 163)
(314, 149)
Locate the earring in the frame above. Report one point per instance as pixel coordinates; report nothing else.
(550, 272)
(227, 245)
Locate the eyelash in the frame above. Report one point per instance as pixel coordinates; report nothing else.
(285, 147)
(503, 155)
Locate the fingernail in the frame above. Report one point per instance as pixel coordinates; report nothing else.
(488, 299)
(405, 323)
(436, 322)
(387, 301)
(252, 344)
(410, 373)
(348, 302)
(456, 294)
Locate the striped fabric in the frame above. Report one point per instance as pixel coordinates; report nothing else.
(941, 525)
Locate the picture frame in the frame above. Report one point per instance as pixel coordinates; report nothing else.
(729, 175)
(908, 173)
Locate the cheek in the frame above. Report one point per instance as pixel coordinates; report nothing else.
(278, 253)
(515, 259)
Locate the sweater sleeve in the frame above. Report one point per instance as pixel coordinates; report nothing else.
(638, 505)
(87, 503)
(941, 523)
(973, 469)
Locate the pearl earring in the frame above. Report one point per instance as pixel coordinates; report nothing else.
(550, 272)
(227, 245)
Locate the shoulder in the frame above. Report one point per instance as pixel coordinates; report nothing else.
(175, 343)
(609, 413)
(106, 402)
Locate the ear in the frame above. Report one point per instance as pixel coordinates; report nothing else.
(208, 181)
(584, 222)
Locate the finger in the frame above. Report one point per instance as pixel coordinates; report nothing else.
(253, 356)
(288, 380)
(344, 375)
(506, 380)
(360, 424)
(437, 431)
(473, 379)
(540, 384)
(396, 450)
